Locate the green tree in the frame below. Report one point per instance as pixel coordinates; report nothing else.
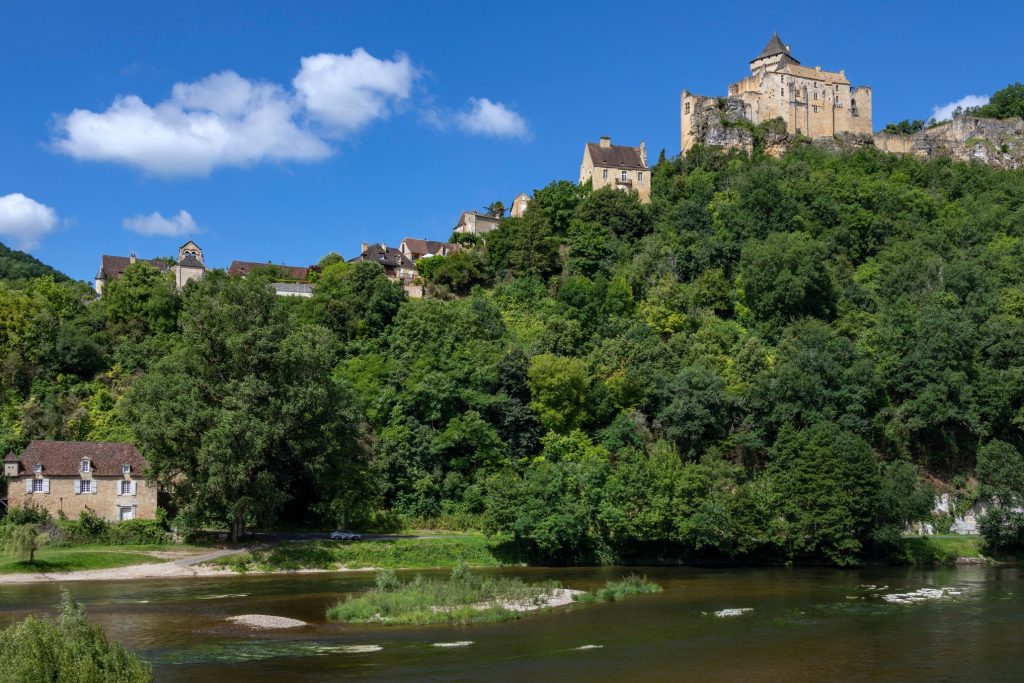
(560, 387)
(26, 539)
(39, 650)
(620, 212)
(557, 202)
(1004, 104)
(244, 416)
(785, 277)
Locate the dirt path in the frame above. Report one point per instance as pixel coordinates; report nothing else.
(180, 567)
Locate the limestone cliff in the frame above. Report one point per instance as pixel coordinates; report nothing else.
(720, 122)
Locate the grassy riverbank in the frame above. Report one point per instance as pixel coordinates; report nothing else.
(939, 550)
(473, 550)
(56, 559)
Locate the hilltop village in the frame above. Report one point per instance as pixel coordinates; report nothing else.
(782, 102)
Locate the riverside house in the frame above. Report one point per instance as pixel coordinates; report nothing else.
(71, 476)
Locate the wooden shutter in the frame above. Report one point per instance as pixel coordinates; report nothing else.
(78, 487)
(133, 488)
(94, 486)
(28, 486)
(46, 485)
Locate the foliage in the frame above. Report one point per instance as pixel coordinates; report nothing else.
(26, 539)
(462, 598)
(17, 265)
(904, 127)
(1004, 104)
(617, 590)
(66, 649)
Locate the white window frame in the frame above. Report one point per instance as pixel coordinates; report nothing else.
(625, 176)
(38, 468)
(126, 487)
(37, 486)
(604, 174)
(126, 468)
(639, 176)
(85, 486)
(86, 466)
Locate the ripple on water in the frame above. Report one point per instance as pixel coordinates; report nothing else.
(236, 652)
(589, 647)
(221, 596)
(457, 643)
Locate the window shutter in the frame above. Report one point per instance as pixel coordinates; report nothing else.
(93, 487)
(46, 485)
(133, 488)
(28, 486)
(78, 487)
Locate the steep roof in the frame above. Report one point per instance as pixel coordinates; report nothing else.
(190, 261)
(830, 77)
(64, 458)
(615, 156)
(112, 267)
(418, 246)
(774, 47)
(384, 255)
(243, 268)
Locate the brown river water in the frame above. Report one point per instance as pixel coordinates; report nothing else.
(802, 625)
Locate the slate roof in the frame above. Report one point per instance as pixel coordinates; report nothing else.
(830, 77)
(112, 267)
(616, 156)
(243, 268)
(190, 261)
(384, 255)
(64, 458)
(775, 46)
(418, 246)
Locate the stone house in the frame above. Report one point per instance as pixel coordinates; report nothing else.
(108, 479)
(624, 168)
(413, 248)
(188, 266)
(476, 223)
(397, 266)
(519, 205)
(810, 101)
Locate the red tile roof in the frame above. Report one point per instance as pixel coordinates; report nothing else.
(64, 458)
(112, 267)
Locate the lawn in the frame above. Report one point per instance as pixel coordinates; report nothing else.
(472, 549)
(81, 557)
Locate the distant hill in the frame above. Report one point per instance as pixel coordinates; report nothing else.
(17, 265)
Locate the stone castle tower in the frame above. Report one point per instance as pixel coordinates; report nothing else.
(810, 101)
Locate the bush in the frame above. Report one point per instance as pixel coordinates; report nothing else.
(616, 590)
(1003, 531)
(90, 529)
(66, 649)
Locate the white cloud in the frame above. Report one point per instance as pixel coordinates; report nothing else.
(344, 93)
(945, 111)
(491, 118)
(25, 220)
(222, 120)
(155, 224)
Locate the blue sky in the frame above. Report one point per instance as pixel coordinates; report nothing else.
(287, 130)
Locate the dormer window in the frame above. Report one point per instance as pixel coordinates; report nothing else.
(126, 469)
(85, 466)
(38, 468)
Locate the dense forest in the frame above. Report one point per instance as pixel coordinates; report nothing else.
(775, 360)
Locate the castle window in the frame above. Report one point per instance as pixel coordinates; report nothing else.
(686, 108)
(814, 108)
(639, 176)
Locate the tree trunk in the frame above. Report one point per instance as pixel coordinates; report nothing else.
(237, 529)
(32, 554)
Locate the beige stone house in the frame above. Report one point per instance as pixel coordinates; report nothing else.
(188, 266)
(809, 100)
(624, 168)
(476, 223)
(413, 248)
(108, 479)
(519, 205)
(397, 266)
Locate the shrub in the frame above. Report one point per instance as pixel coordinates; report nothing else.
(66, 649)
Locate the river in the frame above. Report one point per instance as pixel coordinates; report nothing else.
(802, 624)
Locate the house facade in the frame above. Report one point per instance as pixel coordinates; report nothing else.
(396, 265)
(624, 168)
(519, 205)
(413, 248)
(69, 477)
(476, 223)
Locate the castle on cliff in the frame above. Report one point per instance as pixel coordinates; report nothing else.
(809, 100)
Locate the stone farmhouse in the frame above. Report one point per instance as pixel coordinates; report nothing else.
(68, 477)
(476, 223)
(624, 168)
(809, 100)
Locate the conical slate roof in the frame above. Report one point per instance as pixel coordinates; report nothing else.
(774, 47)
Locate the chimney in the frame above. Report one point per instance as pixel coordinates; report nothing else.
(817, 68)
(131, 258)
(787, 49)
(643, 153)
(362, 247)
(606, 141)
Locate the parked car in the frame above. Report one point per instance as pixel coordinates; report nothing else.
(342, 535)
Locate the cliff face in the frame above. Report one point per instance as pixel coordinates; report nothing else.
(996, 142)
(720, 122)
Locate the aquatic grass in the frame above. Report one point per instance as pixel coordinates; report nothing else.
(460, 599)
(616, 590)
(937, 550)
(433, 553)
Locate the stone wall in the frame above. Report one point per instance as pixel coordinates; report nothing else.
(62, 496)
(995, 142)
